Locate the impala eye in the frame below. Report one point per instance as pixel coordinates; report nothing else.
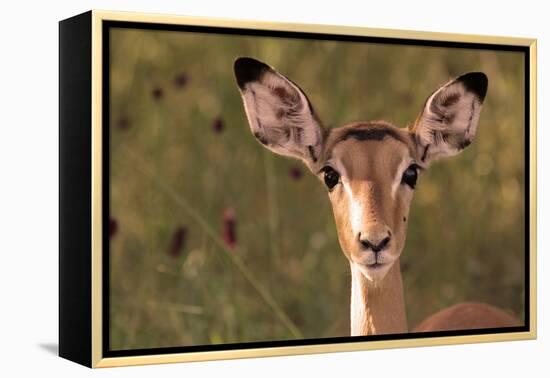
(331, 177)
(410, 176)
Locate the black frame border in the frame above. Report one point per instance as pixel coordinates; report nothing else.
(105, 88)
(75, 195)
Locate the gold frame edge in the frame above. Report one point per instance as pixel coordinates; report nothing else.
(97, 200)
(309, 349)
(533, 186)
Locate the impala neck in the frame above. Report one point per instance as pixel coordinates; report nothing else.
(377, 308)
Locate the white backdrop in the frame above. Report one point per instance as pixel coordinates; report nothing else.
(29, 174)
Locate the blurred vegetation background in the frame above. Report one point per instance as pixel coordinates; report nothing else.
(216, 240)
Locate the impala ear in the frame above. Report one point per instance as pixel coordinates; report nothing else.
(279, 113)
(448, 122)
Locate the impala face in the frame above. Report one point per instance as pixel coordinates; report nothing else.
(370, 169)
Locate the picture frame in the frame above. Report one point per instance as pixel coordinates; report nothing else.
(86, 107)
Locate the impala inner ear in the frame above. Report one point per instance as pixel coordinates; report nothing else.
(448, 123)
(279, 113)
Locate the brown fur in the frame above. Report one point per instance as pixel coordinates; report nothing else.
(467, 316)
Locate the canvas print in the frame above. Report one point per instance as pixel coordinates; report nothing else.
(275, 188)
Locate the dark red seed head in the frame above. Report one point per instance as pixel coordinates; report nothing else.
(181, 80)
(229, 228)
(295, 173)
(157, 93)
(113, 227)
(218, 125)
(177, 244)
(123, 123)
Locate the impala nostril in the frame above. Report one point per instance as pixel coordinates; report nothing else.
(366, 244)
(383, 244)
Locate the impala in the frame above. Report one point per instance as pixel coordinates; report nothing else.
(370, 170)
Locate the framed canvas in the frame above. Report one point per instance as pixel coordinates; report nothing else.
(235, 189)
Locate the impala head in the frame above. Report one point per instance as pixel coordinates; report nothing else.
(370, 169)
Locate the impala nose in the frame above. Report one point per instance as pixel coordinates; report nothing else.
(374, 243)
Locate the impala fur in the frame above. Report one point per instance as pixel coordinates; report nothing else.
(370, 170)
